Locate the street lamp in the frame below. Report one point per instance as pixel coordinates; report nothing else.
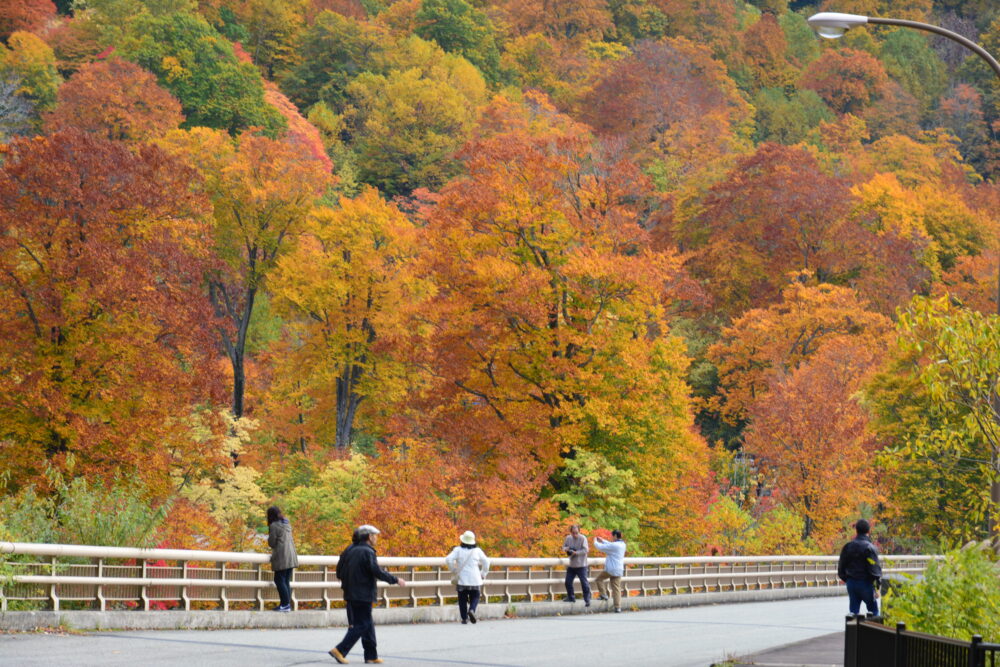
(833, 25)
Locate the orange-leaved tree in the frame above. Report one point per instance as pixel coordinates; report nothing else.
(104, 321)
(115, 99)
(846, 79)
(29, 15)
(809, 436)
(673, 103)
(549, 320)
(774, 213)
(777, 339)
(559, 19)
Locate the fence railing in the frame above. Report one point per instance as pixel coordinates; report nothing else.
(58, 576)
(871, 644)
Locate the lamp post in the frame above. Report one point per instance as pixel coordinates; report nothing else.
(833, 25)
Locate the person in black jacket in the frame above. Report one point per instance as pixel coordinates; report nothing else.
(860, 570)
(357, 570)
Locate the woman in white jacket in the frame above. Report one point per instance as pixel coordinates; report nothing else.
(471, 566)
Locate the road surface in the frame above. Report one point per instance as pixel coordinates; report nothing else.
(679, 637)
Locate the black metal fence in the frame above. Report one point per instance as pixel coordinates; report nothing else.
(868, 643)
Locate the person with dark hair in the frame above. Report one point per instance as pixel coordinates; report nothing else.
(860, 569)
(283, 556)
(357, 570)
(469, 566)
(614, 567)
(575, 546)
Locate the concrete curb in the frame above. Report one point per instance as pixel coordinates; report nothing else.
(231, 620)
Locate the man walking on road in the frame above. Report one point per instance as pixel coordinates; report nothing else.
(859, 568)
(575, 546)
(357, 570)
(614, 567)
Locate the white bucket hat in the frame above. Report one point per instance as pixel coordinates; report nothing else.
(468, 537)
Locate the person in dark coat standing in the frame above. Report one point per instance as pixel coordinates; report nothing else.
(860, 569)
(357, 570)
(283, 556)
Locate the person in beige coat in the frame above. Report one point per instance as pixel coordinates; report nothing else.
(283, 557)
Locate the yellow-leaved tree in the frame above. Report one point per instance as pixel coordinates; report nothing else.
(348, 290)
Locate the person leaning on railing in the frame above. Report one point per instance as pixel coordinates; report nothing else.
(283, 557)
(860, 569)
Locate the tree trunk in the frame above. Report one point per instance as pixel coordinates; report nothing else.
(239, 382)
(238, 354)
(347, 405)
(994, 524)
(348, 398)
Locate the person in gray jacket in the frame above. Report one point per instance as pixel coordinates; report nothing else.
(283, 557)
(575, 546)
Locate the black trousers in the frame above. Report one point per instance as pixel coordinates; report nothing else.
(858, 591)
(282, 579)
(468, 600)
(359, 615)
(571, 574)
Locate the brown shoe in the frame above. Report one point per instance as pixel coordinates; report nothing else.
(337, 655)
(376, 661)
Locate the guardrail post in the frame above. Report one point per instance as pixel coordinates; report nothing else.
(899, 645)
(222, 589)
(291, 592)
(184, 591)
(974, 651)
(260, 591)
(851, 642)
(101, 602)
(326, 591)
(53, 593)
(142, 593)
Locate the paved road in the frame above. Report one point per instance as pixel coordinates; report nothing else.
(825, 651)
(680, 637)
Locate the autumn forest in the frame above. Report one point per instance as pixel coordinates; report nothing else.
(678, 267)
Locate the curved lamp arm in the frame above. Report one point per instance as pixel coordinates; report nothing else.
(964, 41)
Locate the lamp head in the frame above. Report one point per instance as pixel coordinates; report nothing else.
(833, 25)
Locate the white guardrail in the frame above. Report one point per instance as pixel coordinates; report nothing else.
(104, 578)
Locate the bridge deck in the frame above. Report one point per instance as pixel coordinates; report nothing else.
(684, 637)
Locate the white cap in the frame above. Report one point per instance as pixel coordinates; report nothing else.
(468, 537)
(368, 529)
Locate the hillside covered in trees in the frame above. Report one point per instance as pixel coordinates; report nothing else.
(678, 267)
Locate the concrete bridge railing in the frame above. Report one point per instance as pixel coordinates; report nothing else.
(88, 577)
